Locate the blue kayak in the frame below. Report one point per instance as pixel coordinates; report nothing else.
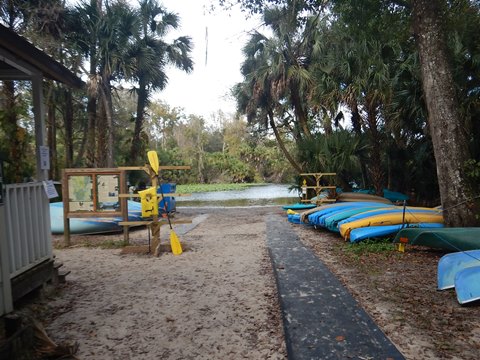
(449, 265)
(91, 225)
(467, 285)
(359, 234)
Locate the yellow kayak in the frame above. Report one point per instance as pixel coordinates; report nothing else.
(392, 219)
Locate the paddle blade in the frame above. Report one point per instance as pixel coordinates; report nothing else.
(175, 243)
(153, 160)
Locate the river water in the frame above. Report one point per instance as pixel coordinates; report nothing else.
(259, 195)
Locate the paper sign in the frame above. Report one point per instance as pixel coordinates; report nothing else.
(50, 189)
(44, 157)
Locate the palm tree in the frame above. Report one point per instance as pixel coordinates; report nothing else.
(149, 55)
(254, 95)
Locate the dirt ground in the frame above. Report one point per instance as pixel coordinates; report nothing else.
(218, 299)
(398, 290)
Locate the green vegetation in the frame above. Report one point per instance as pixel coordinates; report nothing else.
(193, 188)
(371, 246)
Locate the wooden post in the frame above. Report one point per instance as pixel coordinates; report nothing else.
(155, 225)
(124, 205)
(66, 220)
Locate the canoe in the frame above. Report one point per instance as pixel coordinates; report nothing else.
(331, 222)
(391, 218)
(467, 285)
(359, 234)
(299, 206)
(452, 239)
(91, 225)
(450, 264)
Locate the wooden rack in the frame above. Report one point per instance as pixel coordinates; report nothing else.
(317, 187)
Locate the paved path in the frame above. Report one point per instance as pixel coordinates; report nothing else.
(321, 318)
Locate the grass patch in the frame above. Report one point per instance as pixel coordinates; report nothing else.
(194, 188)
(371, 246)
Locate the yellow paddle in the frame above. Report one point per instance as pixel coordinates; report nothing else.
(174, 241)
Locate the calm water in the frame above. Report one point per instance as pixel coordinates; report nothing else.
(261, 195)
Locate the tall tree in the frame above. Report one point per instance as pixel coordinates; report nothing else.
(150, 54)
(450, 142)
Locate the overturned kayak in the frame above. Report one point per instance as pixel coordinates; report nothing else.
(359, 234)
(391, 218)
(449, 265)
(452, 239)
(467, 285)
(91, 225)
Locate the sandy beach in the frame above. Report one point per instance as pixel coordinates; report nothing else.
(215, 301)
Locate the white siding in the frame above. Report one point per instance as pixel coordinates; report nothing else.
(28, 226)
(5, 289)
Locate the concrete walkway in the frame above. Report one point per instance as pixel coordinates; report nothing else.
(321, 318)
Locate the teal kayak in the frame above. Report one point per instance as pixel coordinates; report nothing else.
(299, 206)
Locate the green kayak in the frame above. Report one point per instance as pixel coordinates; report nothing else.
(453, 239)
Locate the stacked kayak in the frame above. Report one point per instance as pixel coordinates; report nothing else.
(91, 225)
(358, 220)
(392, 216)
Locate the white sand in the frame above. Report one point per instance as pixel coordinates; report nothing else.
(215, 301)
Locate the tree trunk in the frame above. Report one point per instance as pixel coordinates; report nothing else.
(52, 139)
(300, 113)
(357, 128)
(282, 145)
(449, 139)
(68, 123)
(108, 107)
(101, 134)
(92, 130)
(375, 163)
(137, 141)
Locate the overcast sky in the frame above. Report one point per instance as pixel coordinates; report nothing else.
(206, 89)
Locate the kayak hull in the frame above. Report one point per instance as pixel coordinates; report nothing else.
(391, 218)
(450, 264)
(96, 225)
(467, 285)
(359, 234)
